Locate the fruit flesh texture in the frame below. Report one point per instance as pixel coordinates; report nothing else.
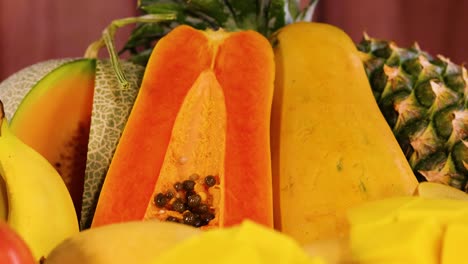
(434, 230)
(331, 147)
(424, 101)
(455, 237)
(205, 98)
(54, 119)
(247, 242)
(235, 66)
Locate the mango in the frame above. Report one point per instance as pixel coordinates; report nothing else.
(454, 243)
(409, 241)
(245, 243)
(409, 230)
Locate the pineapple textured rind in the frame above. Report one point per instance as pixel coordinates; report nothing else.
(424, 100)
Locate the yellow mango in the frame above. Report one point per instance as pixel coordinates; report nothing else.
(397, 209)
(454, 243)
(331, 147)
(379, 211)
(442, 210)
(455, 239)
(415, 241)
(245, 243)
(408, 230)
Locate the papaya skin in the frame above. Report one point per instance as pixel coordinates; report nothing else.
(331, 146)
(203, 108)
(54, 118)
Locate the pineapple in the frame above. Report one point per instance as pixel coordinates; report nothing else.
(424, 100)
(264, 16)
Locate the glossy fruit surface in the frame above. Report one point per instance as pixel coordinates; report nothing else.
(13, 249)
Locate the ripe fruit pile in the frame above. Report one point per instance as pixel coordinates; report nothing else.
(227, 126)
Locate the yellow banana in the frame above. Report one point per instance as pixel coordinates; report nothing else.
(33, 198)
(129, 242)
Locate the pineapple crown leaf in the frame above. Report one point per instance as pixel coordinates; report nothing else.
(294, 13)
(264, 16)
(416, 47)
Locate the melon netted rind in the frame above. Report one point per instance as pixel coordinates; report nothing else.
(15, 87)
(111, 107)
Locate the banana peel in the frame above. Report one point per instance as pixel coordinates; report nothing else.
(34, 200)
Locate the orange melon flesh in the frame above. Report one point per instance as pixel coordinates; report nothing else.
(203, 108)
(54, 119)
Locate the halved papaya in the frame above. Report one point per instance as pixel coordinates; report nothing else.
(54, 119)
(196, 145)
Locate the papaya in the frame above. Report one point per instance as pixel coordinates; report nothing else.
(331, 147)
(73, 110)
(196, 145)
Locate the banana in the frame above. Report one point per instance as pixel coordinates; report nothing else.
(128, 242)
(34, 200)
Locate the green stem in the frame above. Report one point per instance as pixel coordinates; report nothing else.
(108, 36)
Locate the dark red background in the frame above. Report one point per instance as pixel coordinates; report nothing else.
(33, 31)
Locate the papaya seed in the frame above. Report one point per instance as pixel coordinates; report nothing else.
(160, 200)
(206, 217)
(173, 219)
(178, 205)
(210, 181)
(169, 195)
(198, 222)
(202, 208)
(188, 185)
(193, 200)
(178, 186)
(188, 218)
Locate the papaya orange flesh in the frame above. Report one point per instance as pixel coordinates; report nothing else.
(54, 119)
(196, 145)
(245, 69)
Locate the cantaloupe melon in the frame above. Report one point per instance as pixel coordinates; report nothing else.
(110, 108)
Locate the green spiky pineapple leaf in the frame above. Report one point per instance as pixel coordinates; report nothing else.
(264, 16)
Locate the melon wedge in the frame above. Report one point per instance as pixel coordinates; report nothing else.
(54, 119)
